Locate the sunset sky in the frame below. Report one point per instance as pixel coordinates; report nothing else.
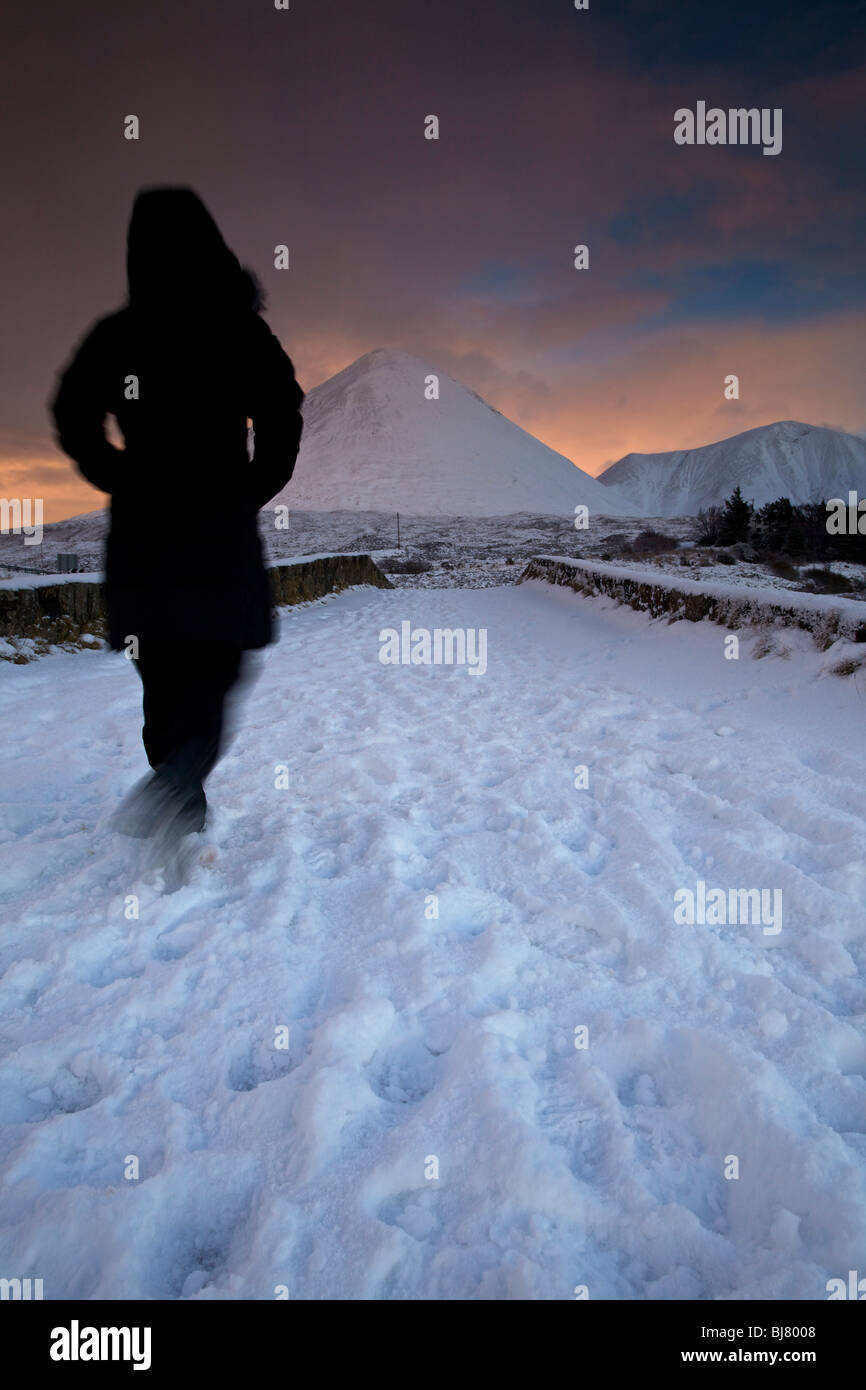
(306, 127)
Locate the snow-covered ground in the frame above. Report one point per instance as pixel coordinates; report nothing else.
(475, 543)
(414, 1037)
(474, 552)
(708, 570)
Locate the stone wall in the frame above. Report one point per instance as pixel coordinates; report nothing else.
(666, 597)
(63, 613)
(53, 613)
(299, 581)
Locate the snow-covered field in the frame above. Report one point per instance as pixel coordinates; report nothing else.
(413, 1037)
(470, 551)
(476, 545)
(693, 565)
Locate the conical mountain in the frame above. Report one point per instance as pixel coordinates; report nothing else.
(374, 442)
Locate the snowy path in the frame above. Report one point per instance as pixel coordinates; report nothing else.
(452, 1038)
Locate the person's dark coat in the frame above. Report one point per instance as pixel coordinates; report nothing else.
(182, 367)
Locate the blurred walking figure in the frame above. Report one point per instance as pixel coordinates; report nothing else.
(182, 367)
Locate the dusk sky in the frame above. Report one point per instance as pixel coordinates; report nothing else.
(306, 127)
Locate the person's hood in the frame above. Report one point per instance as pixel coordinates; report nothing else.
(176, 257)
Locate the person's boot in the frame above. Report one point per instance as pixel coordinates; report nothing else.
(164, 805)
(141, 809)
(185, 804)
(192, 811)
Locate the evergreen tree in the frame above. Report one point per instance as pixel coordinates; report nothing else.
(736, 519)
(775, 527)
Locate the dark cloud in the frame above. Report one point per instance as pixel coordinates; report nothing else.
(305, 127)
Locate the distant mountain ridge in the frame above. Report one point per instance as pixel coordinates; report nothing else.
(787, 459)
(374, 443)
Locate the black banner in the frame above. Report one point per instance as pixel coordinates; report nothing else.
(65, 1338)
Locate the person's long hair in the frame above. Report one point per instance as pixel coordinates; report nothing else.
(177, 261)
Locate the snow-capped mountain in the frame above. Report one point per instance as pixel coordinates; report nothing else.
(786, 459)
(372, 441)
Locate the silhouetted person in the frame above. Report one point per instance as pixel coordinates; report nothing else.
(182, 366)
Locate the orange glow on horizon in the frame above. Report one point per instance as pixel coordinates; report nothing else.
(657, 396)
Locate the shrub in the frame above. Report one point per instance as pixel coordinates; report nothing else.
(709, 526)
(617, 540)
(394, 565)
(847, 668)
(825, 581)
(650, 542)
(781, 567)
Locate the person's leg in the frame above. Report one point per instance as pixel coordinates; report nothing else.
(161, 668)
(215, 669)
(171, 695)
(152, 804)
(184, 692)
(203, 678)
